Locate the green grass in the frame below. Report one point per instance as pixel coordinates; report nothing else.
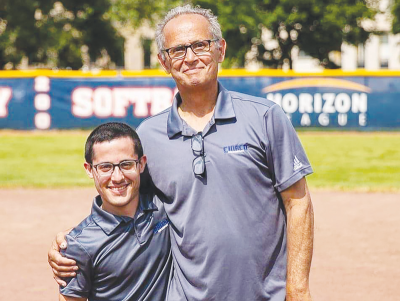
(354, 161)
(341, 161)
(52, 159)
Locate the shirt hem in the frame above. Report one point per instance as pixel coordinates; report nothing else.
(73, 293)
(294, 178)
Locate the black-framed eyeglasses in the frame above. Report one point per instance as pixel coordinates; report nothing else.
(198, 48)
(199, 163)
(107, 168)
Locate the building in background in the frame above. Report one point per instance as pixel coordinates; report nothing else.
(380, 51)
(140, 48)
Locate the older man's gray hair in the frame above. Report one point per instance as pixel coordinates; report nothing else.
(215, 28)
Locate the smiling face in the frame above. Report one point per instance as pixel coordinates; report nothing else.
(192, 71)
(119, 191)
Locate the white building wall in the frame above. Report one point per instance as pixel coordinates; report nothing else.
(394, 46)
(349, 57)
(134, 54)
(304, 63)
(372, 61)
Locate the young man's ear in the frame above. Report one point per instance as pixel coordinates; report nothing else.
(88, 169)
(142, 163)
(163, 62)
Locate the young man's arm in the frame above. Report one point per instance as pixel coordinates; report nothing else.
(300, 233)
(66, 298)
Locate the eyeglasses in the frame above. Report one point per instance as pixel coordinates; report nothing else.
(126, 167)
(198, 48)
(198, 164)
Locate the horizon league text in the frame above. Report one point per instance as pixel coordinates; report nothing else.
(323, 105)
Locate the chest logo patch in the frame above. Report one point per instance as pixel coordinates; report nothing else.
(160, 226)
(237, 148)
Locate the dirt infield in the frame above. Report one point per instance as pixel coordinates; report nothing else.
(356, 250)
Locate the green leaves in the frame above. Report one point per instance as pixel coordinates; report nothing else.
(58, 34)
(134, 12)
(396, 16)
(316, 27)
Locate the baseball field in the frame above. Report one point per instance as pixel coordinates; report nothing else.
(355, 190)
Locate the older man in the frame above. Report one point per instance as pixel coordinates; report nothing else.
(232, 170)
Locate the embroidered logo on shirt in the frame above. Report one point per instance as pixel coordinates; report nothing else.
(297, 164)
(237, 148)
(161, 226)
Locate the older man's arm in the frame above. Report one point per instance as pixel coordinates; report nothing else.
(62, 267)
(300, 234)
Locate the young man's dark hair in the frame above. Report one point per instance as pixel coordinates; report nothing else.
(110, 131)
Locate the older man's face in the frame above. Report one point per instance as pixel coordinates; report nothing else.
(192, 71)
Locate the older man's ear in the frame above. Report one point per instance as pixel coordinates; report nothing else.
(222, 50)
(163, 62)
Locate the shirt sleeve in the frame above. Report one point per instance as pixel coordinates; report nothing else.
(80, 285)
(285, 154)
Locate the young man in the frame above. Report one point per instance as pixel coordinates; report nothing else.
(122, 248)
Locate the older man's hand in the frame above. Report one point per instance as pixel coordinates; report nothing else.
(62, 267)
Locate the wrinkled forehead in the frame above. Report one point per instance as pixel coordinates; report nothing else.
(186, 29)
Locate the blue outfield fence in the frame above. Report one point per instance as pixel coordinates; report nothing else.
(44, 99)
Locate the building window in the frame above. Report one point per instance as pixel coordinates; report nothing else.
(384, 51)
(146, 44)
(303, 55)
(360, 56)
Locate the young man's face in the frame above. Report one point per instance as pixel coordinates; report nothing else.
(192, 71)
(118, 189)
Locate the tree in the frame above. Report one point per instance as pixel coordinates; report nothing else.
(134, 13)
(316, 27)
(396, 17)
(57, 33)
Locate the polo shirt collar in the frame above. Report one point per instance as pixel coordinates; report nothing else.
(223, 110)
(224, 106)
(146, 204)
(109, 222)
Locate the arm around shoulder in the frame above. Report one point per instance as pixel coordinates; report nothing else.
(300, 234)
(61, 266)
(81, 285)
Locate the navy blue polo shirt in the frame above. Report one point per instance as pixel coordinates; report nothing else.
(228, 227)
(119, 257)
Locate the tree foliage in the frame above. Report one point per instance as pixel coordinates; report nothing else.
(396, 16)
(61, 34)
(71, 33)
(135, 13)
(316, 27)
